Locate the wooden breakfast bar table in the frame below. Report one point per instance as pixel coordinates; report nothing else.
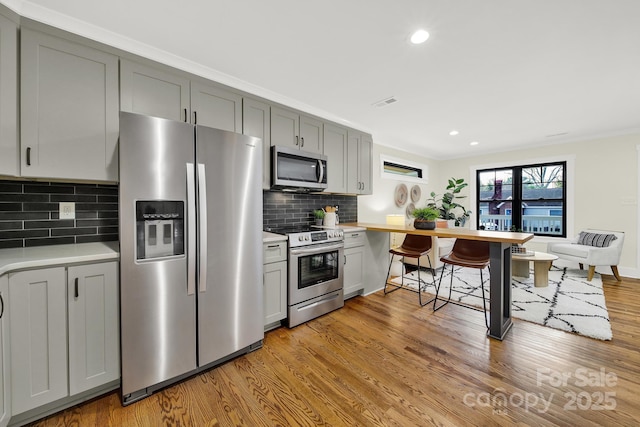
(500, 264)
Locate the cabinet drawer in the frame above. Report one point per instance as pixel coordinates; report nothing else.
(354, 238)
(274, 252)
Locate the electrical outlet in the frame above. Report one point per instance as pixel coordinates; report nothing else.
(67, 210)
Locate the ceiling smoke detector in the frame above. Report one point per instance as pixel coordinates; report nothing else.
(385, 102)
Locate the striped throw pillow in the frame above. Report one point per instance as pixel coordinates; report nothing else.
(596, 239)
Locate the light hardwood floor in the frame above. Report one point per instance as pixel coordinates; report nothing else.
(383, 360)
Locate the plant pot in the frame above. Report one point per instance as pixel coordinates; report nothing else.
(423, 224)
(319, 221)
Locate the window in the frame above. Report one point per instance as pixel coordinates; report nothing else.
(529, 198)
(402, 170)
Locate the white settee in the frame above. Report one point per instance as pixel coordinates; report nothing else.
(590, 248)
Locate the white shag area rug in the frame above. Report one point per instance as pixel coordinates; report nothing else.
(569, 303)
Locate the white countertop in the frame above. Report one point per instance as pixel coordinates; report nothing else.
(43, 256)
(272, 237)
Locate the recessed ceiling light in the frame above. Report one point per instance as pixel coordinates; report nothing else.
(474, 143)
(419, 36)
(454, 133)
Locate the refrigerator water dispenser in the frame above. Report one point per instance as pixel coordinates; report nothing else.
(160, 229)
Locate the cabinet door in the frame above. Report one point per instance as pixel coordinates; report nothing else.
(38, 336)
(311, 136)
(353, 270)
(335, 148)
(5, 376)
(256, 121)
(285, 127)
(216, 108)
(354, 185)
(153, 92)
(275, 292)
(364, 164)
(9, 160)
(93, 326)
(69, 109)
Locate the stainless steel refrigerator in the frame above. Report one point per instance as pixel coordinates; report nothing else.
(190, 250)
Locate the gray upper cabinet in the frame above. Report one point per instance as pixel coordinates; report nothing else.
(291, 129)
(359, 157)
(215, 107)
(335, 148)
(69, 109)
(9, 159)
(161, 92)
(256, 121)
(153, 92)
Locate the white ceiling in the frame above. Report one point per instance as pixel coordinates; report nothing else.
(505, 73)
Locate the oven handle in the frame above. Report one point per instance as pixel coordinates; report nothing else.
(318, 249)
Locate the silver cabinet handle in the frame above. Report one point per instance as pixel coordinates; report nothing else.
(202, 227)
(76, 294)
(1, 302)
(297, 140)
(186, 115)
(28, 156)
(302, 143)
(191, 229)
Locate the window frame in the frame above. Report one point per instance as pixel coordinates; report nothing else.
(517, 198)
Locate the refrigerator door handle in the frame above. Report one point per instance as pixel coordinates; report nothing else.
(202, 200)
(191, 229)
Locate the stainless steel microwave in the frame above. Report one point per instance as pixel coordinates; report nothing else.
(297, 170)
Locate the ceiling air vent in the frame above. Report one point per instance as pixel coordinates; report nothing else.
(385, 102)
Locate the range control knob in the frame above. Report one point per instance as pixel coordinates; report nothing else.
(306, 237)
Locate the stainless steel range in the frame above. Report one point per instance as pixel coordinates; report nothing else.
(316, 259)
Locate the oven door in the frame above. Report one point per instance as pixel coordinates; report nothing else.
(315, 270)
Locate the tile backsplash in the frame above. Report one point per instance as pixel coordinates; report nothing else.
(282, 209)
(29, 213)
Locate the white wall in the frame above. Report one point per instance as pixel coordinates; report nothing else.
(375, 207)
(605, 193)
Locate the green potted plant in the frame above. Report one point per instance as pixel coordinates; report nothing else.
(318, 214)
(446, 204)
(425, 218)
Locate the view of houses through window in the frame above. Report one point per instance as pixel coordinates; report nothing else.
(529, 198)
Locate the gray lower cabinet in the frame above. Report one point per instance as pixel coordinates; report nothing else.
(69, 109)
(9, 159)
(291, 129)
(5, 372)
(359, 158)
(170, 94)
(38, 333)
(354, 246)
(94, 345)
(256, 121)
(275, 283)
(335, 148)
(64, 332)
